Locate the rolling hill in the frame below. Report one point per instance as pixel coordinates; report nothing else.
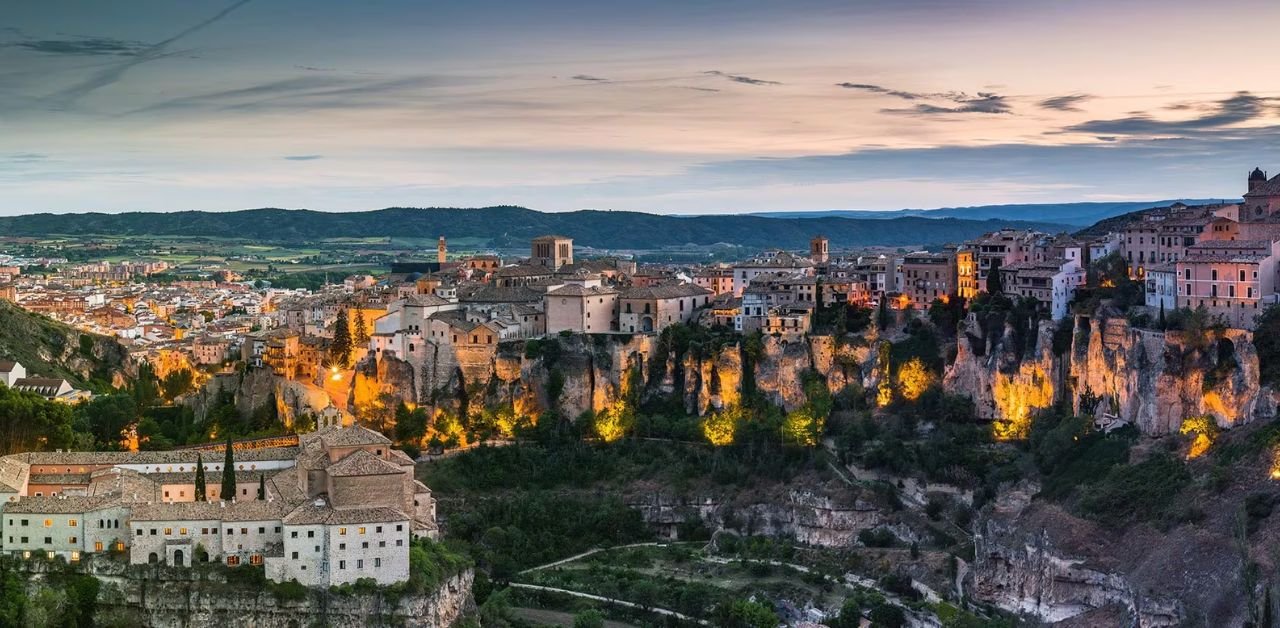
(1078, 214)
(508, 225)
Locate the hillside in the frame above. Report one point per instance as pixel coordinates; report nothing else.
(1077, 214)
(49, 348)
(505, 225)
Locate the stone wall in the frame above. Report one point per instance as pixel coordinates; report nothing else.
(171, 597)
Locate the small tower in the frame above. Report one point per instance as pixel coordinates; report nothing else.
(1256, 178)
(442, 250)
(819, 249)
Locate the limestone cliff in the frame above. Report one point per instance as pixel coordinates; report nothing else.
(588, 373)
(1149, 378)
(252, 388)
(172, 597)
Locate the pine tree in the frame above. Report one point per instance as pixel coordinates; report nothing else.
(200, 488)
(882, 315)
(262, 487)
(229, 475)
(1162, 321)
(340, 350)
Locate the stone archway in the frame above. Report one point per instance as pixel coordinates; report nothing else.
(153, 558)
(646, 324)
(178, 558)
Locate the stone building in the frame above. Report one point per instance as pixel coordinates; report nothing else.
(655, 308)
(339, 506)
(552, 251)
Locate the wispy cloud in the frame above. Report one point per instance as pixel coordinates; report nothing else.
(1069, 102)
(303, 157)
(959, 102)
(589, 78)
(83, 46)
(112, 74)
(312, 91)
(738, 78)
(1240, 108)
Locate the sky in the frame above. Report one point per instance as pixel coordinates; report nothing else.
(664, 106)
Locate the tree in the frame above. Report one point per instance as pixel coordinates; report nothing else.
(108, 417)
(411, 425)
(340, 349)
(262, 487)
(744, 614)
(360, 335)
(200, 487)
(882, 313)
(229, 475)
(994, 283)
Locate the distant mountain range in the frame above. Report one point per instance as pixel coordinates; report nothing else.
(505, 226)
(1077, 214)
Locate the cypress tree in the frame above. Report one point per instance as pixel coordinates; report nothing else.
(994, 284)
(341, 347)
(200, 488)
(229, 475)
(262, 487)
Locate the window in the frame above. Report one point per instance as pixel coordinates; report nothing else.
(342, 531)
(342, 564)
(72, 540)
(293, 535)
(244, 530)
(342, 546)
(377, 562)
(182, 531)
(364, 545)
(399, 527)
(359, 563)
(153, 531)
(139, 532)
(48, 540)
(48, 523)
(295, 556)
(232, 561)
(262, 530)
(231, 531)
(71, 522)
(362, 530)
(168, 531)
(255, 559)
(97, 547)
(378, 529)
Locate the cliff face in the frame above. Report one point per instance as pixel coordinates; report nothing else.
(1149, 378)
(588, 373)
(255, 387)
(166, 597)
(811, 518)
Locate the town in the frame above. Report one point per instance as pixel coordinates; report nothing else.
(340, 503)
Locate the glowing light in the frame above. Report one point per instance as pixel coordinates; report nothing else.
(914, 379)
(1017, 397)
(1205, 430)
(612, 422)
(337, 377)
(803, 428)
(720, 428)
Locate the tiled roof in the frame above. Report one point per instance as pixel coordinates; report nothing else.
(665, 292)
(311, 514)
(60, 505)
(177, 456)
(362, 463)
(352, 436)
(6, 366)
(579, 290)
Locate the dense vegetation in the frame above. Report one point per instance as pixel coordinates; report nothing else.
(49, 348)
(596, 228)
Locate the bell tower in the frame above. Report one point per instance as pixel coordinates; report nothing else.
(819, 249)
(442, 250)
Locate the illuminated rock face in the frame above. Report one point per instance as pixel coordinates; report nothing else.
(1149, 378)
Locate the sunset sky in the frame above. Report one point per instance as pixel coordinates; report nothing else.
(662, 106)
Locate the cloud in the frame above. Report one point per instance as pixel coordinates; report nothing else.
(312, 68)
(112, 74)
(983, 102)
(1069, 102)
(738, 78)
(313, 91)
(23, 158)
(589, 78)
(1242, 107)
(303, 157)
(85, 46)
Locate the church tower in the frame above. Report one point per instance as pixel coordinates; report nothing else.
(442, 250)
(1256, 178)
(819, 249)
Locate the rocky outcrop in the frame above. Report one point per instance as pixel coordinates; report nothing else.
(252, 388)
(169, 597)
(1034, 559)
(808, 517)
(1151, 379)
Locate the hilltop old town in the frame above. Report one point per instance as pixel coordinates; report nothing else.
(340, 503)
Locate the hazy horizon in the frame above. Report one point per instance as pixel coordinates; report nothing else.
(668, 107)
